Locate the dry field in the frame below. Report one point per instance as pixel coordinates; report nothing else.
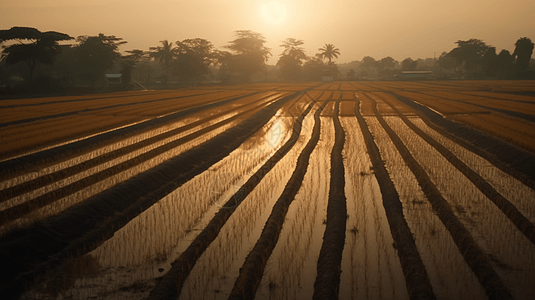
(344, 190)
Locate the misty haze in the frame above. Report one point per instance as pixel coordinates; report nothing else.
(267, 149)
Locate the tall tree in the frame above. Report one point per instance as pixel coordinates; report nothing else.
(504, 64)
(193, 58)
(249, 54)
(33, 46)
(488, 62)
(96, 54)
(165, 54)
(313, 68)
(385, 66)
(368, 66)
(291, 58)
(446, 62)
(128, 63)
(408, 64)
(329, 51)
(523, 51)
(469, 54)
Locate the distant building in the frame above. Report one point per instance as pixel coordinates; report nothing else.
(114, 79)
(416, 74)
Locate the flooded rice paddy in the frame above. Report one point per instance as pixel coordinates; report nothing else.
(225, 211)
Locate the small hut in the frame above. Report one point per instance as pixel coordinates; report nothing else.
(114, 79)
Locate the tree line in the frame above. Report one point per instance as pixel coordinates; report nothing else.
(50, 60)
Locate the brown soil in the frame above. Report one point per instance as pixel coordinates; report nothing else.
(329, 267)
(81, 228)
(171, 284)
(417, 279)
(477, 260)
(520, 221)
(510, 159)
(18, 166)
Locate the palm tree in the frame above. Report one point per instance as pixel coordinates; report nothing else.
(329, 51)
(165, 54)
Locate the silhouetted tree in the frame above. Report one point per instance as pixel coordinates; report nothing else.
(329, 51)
(223, 60)
(504, 64)
(446, 62)
(368, 66)
(291, 58)
(96, 54)
(33, 46)
(249, 54)
(193, 59)
(488, 61)
(385, 66)
(164, 54)
(523, 51)
(469, 54)
(313, 68)
(408, 64)
(128, 63)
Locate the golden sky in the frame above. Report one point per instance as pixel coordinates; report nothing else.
(377, 28)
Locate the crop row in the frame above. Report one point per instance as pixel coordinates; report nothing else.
(23, 137)
(101, 172)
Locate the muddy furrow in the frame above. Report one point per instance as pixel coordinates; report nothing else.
(17, 211)
(42, 181)
(474, 256)
(252, 270)
(104, 96)
(89, 110)
(416, 277)
(81, 228)
(172, 283)
(35, 161)
(327, 282)
(510, 159)
(517, 218)
(516, 114)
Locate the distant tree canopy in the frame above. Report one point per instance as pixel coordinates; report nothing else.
(33, 46)
(291, 58)
(468, 54)
(408, 64)
(165, 54)
(249, 54)
(329, 51)
(313, 68)
(193, 59)
(368, 66)
(504, 64)
(128, 63)
(96, 54)
(523, 51)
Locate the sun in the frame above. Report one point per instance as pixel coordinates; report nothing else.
(273, 12)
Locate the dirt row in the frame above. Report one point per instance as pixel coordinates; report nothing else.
(474, 256)
(36, 161)
(171, 284)
(253, 268)
(18, 211)
(327, 281)
(31, 185)
(512, 160)
(417, 279)
(520, 221)
(82, 227)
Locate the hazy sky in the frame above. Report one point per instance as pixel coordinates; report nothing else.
(378, 28)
